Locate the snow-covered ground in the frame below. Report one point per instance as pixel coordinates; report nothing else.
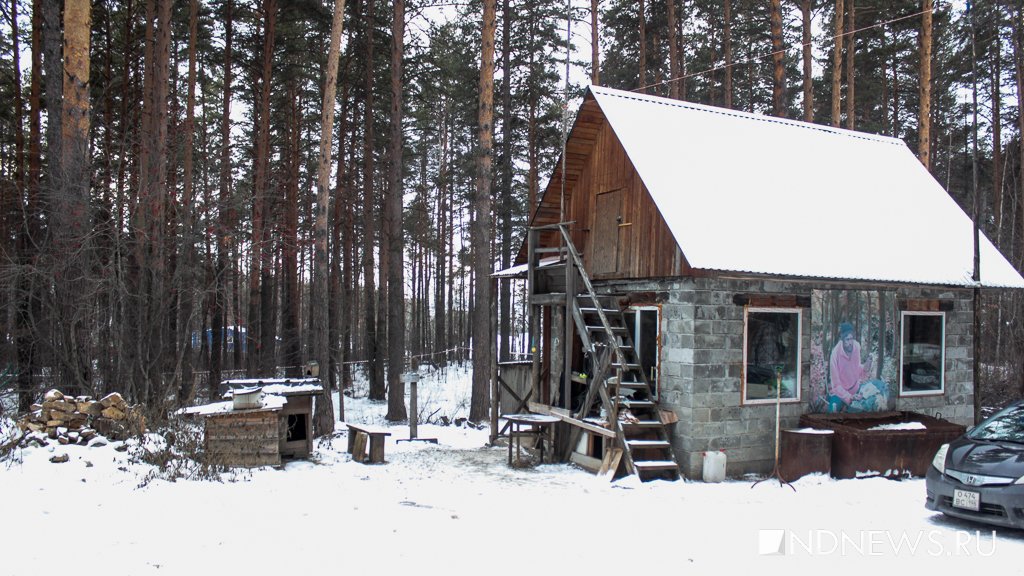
(457, 508)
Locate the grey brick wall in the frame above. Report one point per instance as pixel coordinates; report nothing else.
(702, 356)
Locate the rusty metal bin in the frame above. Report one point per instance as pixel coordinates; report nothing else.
(861, 448)
(805, 451)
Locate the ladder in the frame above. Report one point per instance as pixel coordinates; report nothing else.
(619, 389)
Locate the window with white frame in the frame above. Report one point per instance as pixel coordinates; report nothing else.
(644, 322)
(771, 355)
(922, 353)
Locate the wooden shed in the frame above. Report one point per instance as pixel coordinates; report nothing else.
(698, 266)
(279, 429)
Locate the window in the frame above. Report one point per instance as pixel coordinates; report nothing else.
(644, 324)
(771, 350)
(922, 354)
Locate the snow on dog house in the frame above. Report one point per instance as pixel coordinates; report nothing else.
(699, 262)
(262, 422)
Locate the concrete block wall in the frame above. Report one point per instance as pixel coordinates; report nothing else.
(701, 367)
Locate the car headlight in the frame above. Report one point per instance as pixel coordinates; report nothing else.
(939, 461)
(1020, 480)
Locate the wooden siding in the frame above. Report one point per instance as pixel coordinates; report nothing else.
(641, 245)
(246, 438)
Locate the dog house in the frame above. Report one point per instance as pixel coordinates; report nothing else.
(275, 426)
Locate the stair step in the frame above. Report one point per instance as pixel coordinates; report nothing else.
(654, 465)
(649, 443)
(643, 424)
(590, 310)
(627, 366)
(600, 328)
(558, 250)
(632, 384)
(638, 404)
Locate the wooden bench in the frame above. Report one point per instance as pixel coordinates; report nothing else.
(358, 434)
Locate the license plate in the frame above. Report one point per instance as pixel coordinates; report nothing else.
(966, 500)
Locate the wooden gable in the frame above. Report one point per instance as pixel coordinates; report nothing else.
(615, 222)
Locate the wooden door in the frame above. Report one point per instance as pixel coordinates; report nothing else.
(604, 257)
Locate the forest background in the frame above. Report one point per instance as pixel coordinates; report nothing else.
(171, 213)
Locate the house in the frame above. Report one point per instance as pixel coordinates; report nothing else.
(701, 264)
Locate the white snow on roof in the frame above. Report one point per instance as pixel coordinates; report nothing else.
(248, 382)
(521, 269)
(281, 389)
(268, 403)
(749, 193)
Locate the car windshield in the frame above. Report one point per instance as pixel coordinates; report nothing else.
(1006, 425)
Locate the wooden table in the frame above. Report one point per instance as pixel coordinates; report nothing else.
(537, 426)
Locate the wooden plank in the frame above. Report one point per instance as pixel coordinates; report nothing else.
(566, 417)
(359, 447)
(244, 437)
(588, 463)
(244, 446)
(610, 463)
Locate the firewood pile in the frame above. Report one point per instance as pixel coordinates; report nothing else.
(80, 419)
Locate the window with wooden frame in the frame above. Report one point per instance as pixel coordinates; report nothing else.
(645, 329)
(922, 353)
(771, 355)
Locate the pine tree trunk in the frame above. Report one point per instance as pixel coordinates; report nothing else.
(673, 51)
(396, 244)
(53, 74)
(1018, 75)
(851, 116)
(323, 421)
(187, 267)
(340, 301)
(924, 124)
(997, 134)
(291, 302)
(373, 354)
(805, 12)
(225, 216)
(642, 73)
(441, 279)
(481, 226)
(727, 50)
(837, 66)
(261, 159)
(504, 211)
(595, 45)
(11, 198)
(779, 70)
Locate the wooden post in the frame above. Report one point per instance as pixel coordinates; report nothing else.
(570, 301)
(495, 388)
(535, 334)
(413, 414)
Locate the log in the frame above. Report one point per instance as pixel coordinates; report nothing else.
(113, 413)
(113, 400)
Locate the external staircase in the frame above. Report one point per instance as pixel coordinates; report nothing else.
(619, 395)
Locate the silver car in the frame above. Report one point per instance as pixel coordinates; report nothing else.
(980, 475)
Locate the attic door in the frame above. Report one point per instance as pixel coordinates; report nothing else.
(607, 217)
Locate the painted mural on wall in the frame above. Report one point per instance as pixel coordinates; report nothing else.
(854, 354)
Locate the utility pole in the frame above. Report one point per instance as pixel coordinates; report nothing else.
(976, 276)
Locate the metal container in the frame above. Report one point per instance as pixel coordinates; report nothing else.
(860, 449)
(805, 451)
(247, 398)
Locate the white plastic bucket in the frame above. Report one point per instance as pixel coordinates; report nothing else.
(714, 466)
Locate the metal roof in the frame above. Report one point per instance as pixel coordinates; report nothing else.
(749, 193)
